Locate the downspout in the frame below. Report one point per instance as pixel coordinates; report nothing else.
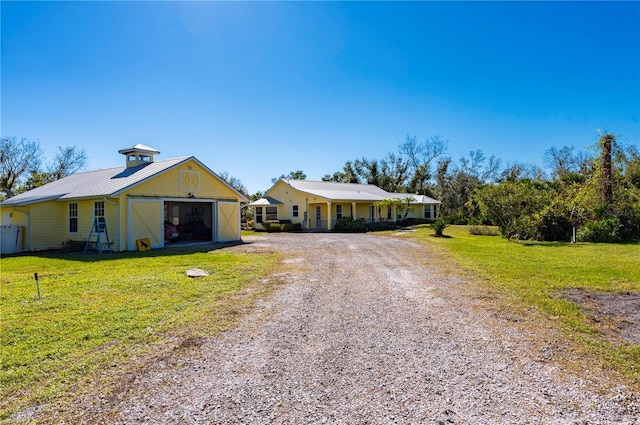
(28, 238)
(117, 205)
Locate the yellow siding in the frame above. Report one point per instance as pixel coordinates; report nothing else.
(415, 211)
(48, 225)
(362, 211)
(189, 178)
(289, 197)
(16, 217)
(179, 182)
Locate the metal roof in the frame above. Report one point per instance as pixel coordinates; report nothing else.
(266, 200)
(109, 182)
(339, 191)
(335, 191)
(417, 199)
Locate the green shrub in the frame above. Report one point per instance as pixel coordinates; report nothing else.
(349, 225)
(457, 218)
(282, 227)
(605, 230)
(630, 221)
(438, 227)
(553, 225)
(376, 227)
(271, 227)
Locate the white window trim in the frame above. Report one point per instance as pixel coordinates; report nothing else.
(69, 217)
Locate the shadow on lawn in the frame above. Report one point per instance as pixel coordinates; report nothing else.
(541, 244)
(168, 251)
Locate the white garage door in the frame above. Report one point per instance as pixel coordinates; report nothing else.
(228, 221)
(145, 221)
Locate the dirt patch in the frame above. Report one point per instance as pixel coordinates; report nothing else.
(616, 315)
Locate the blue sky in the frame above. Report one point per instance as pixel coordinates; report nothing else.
(261, 89)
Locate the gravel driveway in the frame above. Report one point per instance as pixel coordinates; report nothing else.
(367, 330)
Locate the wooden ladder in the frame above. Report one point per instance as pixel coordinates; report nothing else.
(99, 237)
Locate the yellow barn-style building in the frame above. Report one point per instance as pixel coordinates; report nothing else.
(316, 205)
(177, 199)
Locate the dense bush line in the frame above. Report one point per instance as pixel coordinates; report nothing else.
(282, 227)
(602, 201)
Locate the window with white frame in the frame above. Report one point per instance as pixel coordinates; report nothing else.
(98, 209)
(73, 217)
(258, 214)
(338, 212)
(294, 211)
(271, 213)
(427, 211)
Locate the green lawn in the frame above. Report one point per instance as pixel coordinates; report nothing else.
(101, 313)
(533, 274)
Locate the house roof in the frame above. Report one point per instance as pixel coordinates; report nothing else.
(339, 191)
(417, 199)
(264, 201)
(108, 182)
(335, 191)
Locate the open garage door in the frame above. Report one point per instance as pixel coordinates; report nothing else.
(228, 221)
(189, 221)
(145, 221)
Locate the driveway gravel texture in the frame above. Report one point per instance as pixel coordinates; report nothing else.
(369, 329)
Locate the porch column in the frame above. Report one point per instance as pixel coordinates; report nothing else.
(354, 211)
(328, 215)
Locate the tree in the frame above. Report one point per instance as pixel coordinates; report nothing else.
(16, 159)
(632, 167)
(393, 173)
(606, 143)
(234, 182)
(420, 157)
(389, 173)
(512, 205)
(401, 205)
(67, 161)
(565, 161)
(392, 203)
(254, 197)
(560, 161)
(294, 175)
(368, 170)
(455, 184)
(520, 171)
(347, 175)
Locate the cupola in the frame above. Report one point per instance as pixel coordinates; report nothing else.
(138, 154)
